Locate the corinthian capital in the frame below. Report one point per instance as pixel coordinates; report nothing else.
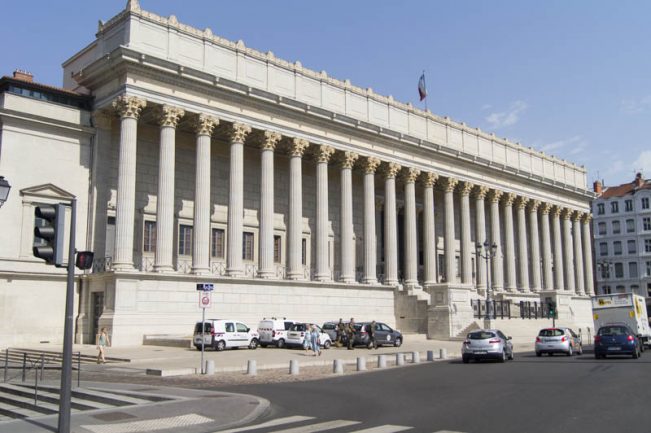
(239, 131)
(521, 202)
(271, 138)
(556, 211)
(586, 217)
(169, 116)
(348, 159)
(129, 106)
(298, 146)
(509, 198)
(411, 174)
(465, 187)
(370, 164)
(576, 216)
(449, 184)
(429, 179)
(323, 153)
(205, 124)
(545, 208)
(391, 170)
(533, 205)
(495, 196)
(566, 213)
(481, 191)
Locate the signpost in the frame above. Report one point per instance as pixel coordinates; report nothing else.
(205, 301)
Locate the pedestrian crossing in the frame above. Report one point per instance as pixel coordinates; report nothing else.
(308, 424)
(19, 401)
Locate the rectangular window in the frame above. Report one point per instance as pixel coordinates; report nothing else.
(630, 226)
(621, 289)
(185, 240)
(646, 224)
(628, 204)
(603, 249)
(617, 248)
(277, 249)
(602, 228)
(619, 270)
(647, 245)
(149, 237)
(247, 246)
(648, 269)
(631, 246)
(614, 207)
(304, 252)
(600, 209)
(645, 202)
(441, 267)
(605, 270)
(217, 238)
(616, 228)
(632, 270)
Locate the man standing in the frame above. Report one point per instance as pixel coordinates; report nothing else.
(340, 330)
(372, 343)
(350, 333)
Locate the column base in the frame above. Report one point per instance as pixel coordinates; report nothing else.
(235, 273)
(369, 280)
(124, 267)
(164, 269)
(267, 274)
(200, 271)
(347, 280)
(323, 278)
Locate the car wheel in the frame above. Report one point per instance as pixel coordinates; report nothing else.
(253, 344)
(220, 345)
(503, 357)
(326, 345)
(465, 359)
(570, 351)
(398, 342)
(538, 354)
(198, 347)
(280, 344)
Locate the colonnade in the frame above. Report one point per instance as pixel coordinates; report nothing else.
(538, 264)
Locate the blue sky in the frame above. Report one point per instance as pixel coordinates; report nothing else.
(570, 78)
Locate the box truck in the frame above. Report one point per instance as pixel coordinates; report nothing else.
(626, 308)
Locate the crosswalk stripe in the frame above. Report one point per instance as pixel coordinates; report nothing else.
(388, 428)
(328, 425)
(272, 423)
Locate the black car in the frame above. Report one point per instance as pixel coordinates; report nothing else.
(384, 334)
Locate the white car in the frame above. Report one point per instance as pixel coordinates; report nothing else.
(273, 332)
(223, 334)
(296, 336)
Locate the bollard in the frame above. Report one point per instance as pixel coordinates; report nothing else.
(42, 365)
(430, 355)
(381, 361)
(78, 369)
(210, 367)
(415, 357)
(400, 359)
(443, 353)
(36, 387)
(6, 363)
(361, 363)
(24, 365)
(293, 367)
(338, 366)
(251, 368)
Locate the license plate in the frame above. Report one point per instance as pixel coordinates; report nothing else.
(480, 352)
(614, 348)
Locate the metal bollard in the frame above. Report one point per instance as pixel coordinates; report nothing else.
(293, 367)
(430, 355)
(251, 368)
(78, 369)
(400, 359)
(36, 386)
(381, 361)
(42, 365)
(24, 365)
(443, 353)
(338, 366)
(361, 363)
(415, 357)
(210, 367)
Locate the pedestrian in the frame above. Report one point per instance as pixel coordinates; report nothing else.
(372, 342)
(316, 343)
(307, 342)
(350, 333)
(103, 341)
(341, 331)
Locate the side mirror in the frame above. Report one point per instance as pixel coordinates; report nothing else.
(248, 329)
(508, 338)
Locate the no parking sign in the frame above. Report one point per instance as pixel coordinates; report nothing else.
(205, 299)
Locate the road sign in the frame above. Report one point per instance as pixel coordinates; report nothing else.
(205, 299)
(206, 287)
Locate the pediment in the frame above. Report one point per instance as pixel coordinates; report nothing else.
(47, 190)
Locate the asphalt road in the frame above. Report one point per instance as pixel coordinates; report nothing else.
(549, 394)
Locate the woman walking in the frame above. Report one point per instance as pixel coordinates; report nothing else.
(102, 343)
(314, 338)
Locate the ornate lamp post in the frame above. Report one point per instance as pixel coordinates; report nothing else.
(4, 190)
(487, 252)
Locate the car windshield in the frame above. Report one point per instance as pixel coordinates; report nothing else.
(613, 330)
(206, 329)
(328, 326)
(551, 333)
(481, 335)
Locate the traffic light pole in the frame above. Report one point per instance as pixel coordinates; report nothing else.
(66, 367)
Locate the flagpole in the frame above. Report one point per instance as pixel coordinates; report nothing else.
(424, 82)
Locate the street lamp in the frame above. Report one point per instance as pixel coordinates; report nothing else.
(4, 190)
(487, 252)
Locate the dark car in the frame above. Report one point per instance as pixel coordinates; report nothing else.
(616, 339)
(384, 335)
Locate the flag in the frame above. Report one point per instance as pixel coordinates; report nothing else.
(422, 89)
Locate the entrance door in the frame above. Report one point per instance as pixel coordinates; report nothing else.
(98, 309)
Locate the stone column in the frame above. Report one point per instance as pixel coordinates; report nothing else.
(429, 229)
(128, 107)
(587, 255)
(411, 245)
(448, 242)
(266, 237)
(234, 266)
(568, 252)
(559, 282)
(346, 222)
(370, 164)
(509, 242)
(548, 273)
(390, 224)
(523, 258)
(467, 248)
(295, 232)
(323, 155)
(497, 283)
(204, 126)
(535, 246)
(480, 234)
(578, 254)
(168, 118)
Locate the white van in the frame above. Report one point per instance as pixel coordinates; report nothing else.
(222, 334)
(274, 331)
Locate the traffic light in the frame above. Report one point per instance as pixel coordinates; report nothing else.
(552, 309)
(51, 232)
(84, 260)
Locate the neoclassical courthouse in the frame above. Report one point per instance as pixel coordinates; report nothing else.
(195, 159)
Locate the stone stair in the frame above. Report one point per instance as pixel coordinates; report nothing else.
(411, 310)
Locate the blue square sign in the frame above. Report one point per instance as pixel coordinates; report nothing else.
(206, 287)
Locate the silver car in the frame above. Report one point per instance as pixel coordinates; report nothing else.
(558, 340)
(486, 344)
